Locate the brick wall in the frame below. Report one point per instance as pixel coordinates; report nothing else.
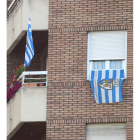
(42, 58)
(70, 100)
(17, 58)
(87, 13)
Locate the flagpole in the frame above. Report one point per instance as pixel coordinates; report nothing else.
(25, 50)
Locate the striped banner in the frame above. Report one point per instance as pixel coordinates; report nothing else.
(29, 51)
(107, 85)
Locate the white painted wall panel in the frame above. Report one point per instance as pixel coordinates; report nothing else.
(28, 105)
(108, 131)
(17, 24)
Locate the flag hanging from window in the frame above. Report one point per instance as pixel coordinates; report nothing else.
(107, 85)
(29, 51)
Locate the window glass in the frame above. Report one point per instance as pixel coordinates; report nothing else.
(98, 64)
(115, 64)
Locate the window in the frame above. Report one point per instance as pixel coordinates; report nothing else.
(106, 50)
(106, 131)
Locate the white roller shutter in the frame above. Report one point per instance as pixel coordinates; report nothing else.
(109, 131)
(107, 45)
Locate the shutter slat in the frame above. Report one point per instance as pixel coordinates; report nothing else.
(107, 45)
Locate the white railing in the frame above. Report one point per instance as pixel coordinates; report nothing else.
(32, 73)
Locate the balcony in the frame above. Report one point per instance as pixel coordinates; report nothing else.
(17, 22)
(26, 111)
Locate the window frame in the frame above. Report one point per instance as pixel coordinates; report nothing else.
(107, 62)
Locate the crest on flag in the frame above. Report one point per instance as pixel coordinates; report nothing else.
(107, 85)
(116, 82)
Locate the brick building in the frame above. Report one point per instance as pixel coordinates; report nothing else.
(72, 112)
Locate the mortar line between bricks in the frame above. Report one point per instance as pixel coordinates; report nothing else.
(80, 83)
(92, 28)
(91, 120)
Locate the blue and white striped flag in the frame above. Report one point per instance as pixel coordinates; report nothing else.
(29, 51)
(107, 85)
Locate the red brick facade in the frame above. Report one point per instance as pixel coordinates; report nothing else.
(14, 59)
(70, 100)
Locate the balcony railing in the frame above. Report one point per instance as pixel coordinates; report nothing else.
(36, 80)
(12, 7)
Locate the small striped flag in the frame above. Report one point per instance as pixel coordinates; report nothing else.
(29, 51)
(107, 85)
